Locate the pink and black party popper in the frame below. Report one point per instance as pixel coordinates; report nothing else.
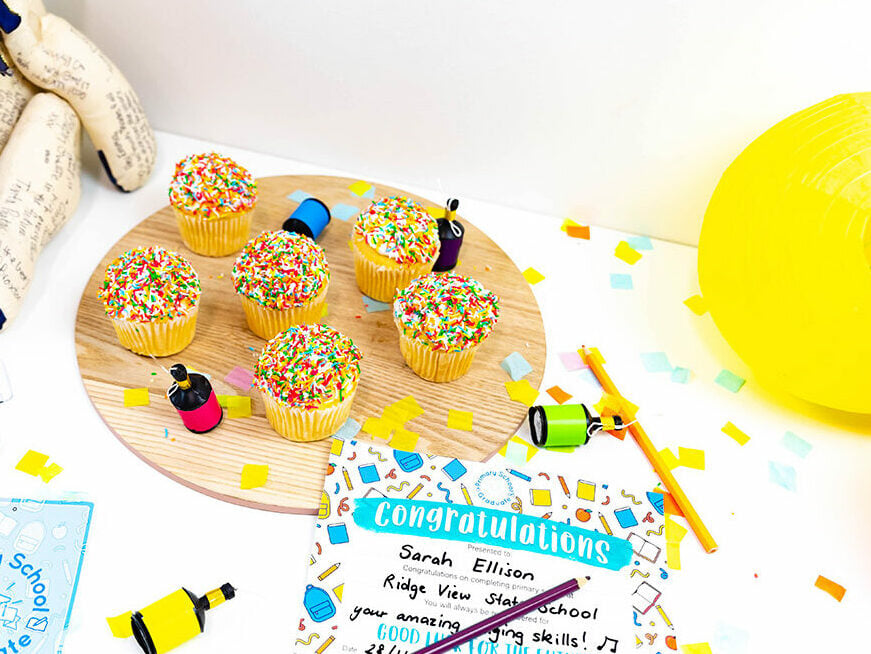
(192, 396)
(451, 233)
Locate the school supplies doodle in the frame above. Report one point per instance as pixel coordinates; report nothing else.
(419, 546)
(42, 545)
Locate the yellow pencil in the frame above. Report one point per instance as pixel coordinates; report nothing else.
(414, 491)
(347, 478)
(664, 616)
(466, 495)
(326, 573)
(605, 525)
(326, 643)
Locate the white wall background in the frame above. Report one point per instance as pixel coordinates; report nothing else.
(620, 113)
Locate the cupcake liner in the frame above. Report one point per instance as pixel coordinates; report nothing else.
(381, 282)
(306, 425)
(214, 237)
(267, 323)
(433, 365)
(160, 338)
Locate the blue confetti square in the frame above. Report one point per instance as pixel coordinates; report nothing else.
(370, 194)
(640, 242)
(369, 473)
(516, 366)
(350, 429)
(655, 362)
(337, 533)
(680, 375)
(299, 196)
(454, 470)
(344, 211)
(373, 306)
(796, 444)
(782, 475)
(621, 282)
(729, 380)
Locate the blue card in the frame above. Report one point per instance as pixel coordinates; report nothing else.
(42, 544)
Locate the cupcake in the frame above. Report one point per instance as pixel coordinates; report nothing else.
(394, 241)
(152, 296)
(307, 377)
(282, 279)
(213, 198)
(442, 320)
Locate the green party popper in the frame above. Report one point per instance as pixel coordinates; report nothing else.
(567, 425)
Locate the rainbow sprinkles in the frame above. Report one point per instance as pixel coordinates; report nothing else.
(400, 229)
(211, 186)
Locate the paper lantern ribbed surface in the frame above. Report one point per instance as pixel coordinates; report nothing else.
(785, 254)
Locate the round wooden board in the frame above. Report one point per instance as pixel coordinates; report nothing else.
(212, 463)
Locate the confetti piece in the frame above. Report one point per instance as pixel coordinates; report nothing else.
(697, 305)
(559, 395)
(516, 366)
(238, 406)
(668, 457)
(680, 375)
(531, 451)
(579, 231)
(588, 376)
(733, 432)
(240, 377)
(436, 212)
(460, 419)
(121, 625)
(730, 640)
(347, 431)
(640, 242)
(532, 276)
(796, 444)
(253, 476)
(372, 306)
(325, 310)
(695, 648)
(655, 362)
(729, 380)
(674, 531)
(223, 400)
(299, 196)
(360, 188)
(782, 475)
(404, 440)
(568, 222)
(621, 282)
(572, 361)
(834, 589)
(672, 556)
(669, 506)
(624, 252)
(377, 428)
(627, 409)
(521, 391)
(516, 453)
(608, 404)
(136, 397)
(344, 211)
(32, 462)
(410, 406)
(691, 458)
(50, 472)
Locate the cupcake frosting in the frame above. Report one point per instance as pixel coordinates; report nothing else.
(307, 366)
(281, 270)
(210, 185)
(447, 312)
(399, 228)
(146, 284)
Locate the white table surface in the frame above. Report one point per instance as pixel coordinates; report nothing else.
(151, 535)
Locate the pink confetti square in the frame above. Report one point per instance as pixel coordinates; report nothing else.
(240, 378)
(572, 361)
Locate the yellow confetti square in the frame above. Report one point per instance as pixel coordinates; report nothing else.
(239, 406)
(674, 531)
(627, 253)
(359, 187)
(404, 440)
(325, 310)
(49, 472)
(568, 222)
(378, 427)
(530, 450)
(733, 432)
(668, 457)
(136, 397)
(121, 625)
(697, 305)
(253, 476)
(672, 555)
(691, 457)
(532, 276)
(32, 462)
(223, 400)
(460, 419)
(695, 648)
(608, 403)
(521, 391)
(436, 212)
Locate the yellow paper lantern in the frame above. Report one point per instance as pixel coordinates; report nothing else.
(785, 254)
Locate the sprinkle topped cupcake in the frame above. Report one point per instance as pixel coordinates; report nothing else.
(146, 284)
(213, 198)
(307, 377)
(442, 319)
(211, 186)
(400, 229)
(394, 241)
(281, 270)
(152, 296)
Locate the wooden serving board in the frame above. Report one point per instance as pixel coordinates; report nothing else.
(212, 463)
